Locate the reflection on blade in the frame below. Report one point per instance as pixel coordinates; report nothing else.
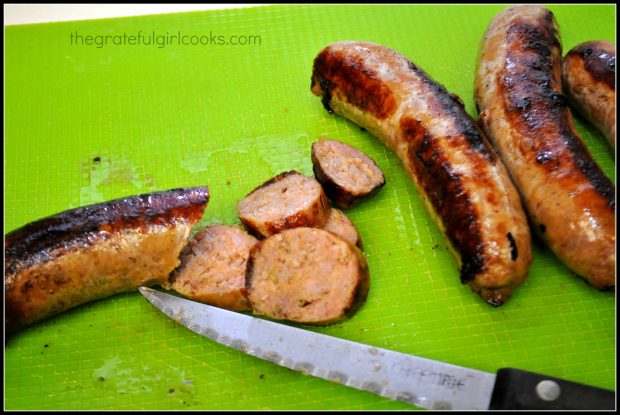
(418, 381)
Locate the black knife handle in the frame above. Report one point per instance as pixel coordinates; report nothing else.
(518, 389)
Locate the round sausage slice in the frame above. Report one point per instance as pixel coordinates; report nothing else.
(342, 226)
(213, 266)
(306, 275)
(289, 200)
(346, 173)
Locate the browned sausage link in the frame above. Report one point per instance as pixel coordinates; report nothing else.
(95, 251)
(346, 174)
(589, 80)
(466, 190)
(518, 93)
(306, 275)
(213, 265)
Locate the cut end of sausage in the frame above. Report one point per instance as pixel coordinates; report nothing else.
(306, 275)
(289, 200)
(213, 266)
(341, 225)
(346, 173)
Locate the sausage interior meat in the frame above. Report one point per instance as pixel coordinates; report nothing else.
(518, 92)
(589, 81)
(288, 200)
(346, 173)
(95, 251)
(465, 188)
(213, 266)
(306, 275)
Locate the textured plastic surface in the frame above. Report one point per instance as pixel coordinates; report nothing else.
(86, 124)
(519, 389)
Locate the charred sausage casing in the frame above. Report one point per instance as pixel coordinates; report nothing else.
(464, 186)
(95, 251)
(589, 81)
(519, 96)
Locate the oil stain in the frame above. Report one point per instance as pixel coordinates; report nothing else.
(106, 177)
(278, 152)
(129, 377)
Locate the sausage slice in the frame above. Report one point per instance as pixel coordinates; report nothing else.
(213, 267)
(342, 226)
(346, 173)
(306, 275)
(288, 200)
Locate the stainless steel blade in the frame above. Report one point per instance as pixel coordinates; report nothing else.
(418, 381)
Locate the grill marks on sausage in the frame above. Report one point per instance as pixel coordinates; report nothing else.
(339, 73)
(325, 87)
(96, 251)
(537, 108)
(335, 72)
(451, 106)
(48, 238)
(600, 64)
(588, 73)
(514, 251)
(446, 193)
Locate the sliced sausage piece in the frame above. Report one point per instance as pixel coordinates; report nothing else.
(518, 92)
(589, 80)
(306, 275)
(213, 265)
(341, 225)
(95, 251)
(466, 189)
(288, 200)
(346, 173)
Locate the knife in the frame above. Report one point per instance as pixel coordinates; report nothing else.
(415, 380)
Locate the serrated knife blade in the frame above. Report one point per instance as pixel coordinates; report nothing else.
(418, 381)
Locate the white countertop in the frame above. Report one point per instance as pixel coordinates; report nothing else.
(39, 13)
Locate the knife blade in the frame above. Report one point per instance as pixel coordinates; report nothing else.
(415, 380)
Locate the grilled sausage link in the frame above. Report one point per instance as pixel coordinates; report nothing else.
(589, 81)
(95, 251)
(518, 93)
(464, 186)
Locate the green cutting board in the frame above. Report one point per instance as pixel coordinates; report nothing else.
(86, 124)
